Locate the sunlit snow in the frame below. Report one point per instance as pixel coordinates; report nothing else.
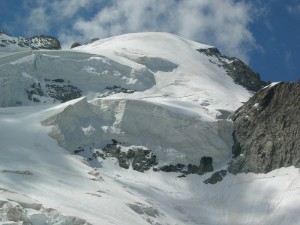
(174, 111)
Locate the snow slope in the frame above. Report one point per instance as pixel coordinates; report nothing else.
(178, 94)
(103, 195)
(152, 90)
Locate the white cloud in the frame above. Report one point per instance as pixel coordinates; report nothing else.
(223, 23)
(294, 9)
(38, 21)
(47, 14)
(69, 8)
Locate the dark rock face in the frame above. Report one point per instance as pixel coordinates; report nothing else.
(143, 159)
(75, 44)
(140, 159)
(205, 166)
(267, 130)
(33, 91)
(238, 70)
(172, 168)
(63, 93)
(216, 177)
(56, 89)
(114, 90)
(92, 40)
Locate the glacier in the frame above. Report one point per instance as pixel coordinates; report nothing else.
(149, 90)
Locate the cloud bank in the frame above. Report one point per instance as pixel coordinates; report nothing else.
(222, 23)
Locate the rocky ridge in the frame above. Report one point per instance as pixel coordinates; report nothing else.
(237, 69)
(266, 130)
(34, 43)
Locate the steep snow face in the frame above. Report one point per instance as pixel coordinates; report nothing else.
(38, 74)
(163, 66)
(196, 79)
(173, 135)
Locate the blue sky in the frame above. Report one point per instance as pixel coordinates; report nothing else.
(263, 33)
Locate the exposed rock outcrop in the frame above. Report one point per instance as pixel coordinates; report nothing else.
(92, 40)
(140, 159)
(114, 90)
(75, 44)
(238, 70)
(267, 130)
(205, 166)
(44, 42)
(35, 42)
(57, 90)
(216, 177)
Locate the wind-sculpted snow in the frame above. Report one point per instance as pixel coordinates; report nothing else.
(155, 64)
(80, 73)
(173, 136)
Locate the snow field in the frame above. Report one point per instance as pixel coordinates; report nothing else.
(59, 180)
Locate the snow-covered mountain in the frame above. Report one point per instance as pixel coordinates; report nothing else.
(132, 129)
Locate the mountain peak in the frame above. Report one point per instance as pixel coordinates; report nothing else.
(140, 126)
